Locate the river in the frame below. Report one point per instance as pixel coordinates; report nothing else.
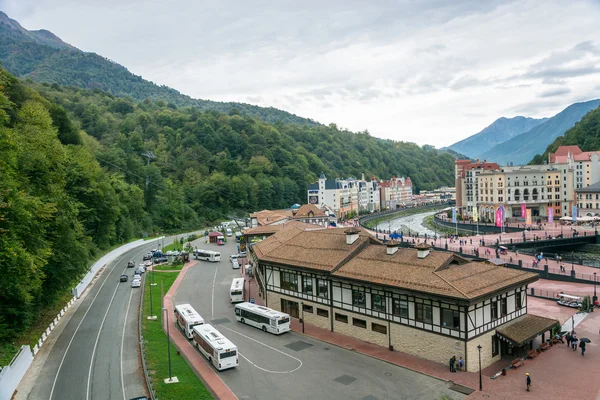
(414, 223)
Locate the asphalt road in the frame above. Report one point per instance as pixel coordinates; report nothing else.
(269, 369)
(96, 355)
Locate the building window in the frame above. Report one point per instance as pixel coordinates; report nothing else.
(518, 301)
(503, 307)
(307, 308)
(322, 312)
(322, 288)
(289, 281)
(361, 323)
(424, 313)
(307, 285)
(450, 319)
(494, 307)
(378, 302)
(379, 328)
(358, 298)
(495, 347)
(341, 318)
(400, 308)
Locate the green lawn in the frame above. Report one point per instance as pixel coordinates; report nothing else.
(189, 386)
(168, 268)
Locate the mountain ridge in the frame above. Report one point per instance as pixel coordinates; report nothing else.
(497, 132)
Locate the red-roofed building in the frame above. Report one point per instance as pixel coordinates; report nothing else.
(465, 174)
(395, 192)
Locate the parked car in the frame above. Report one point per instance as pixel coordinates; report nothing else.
(233, 258)
(124, 278)
(242, 254)
(147, 256)
(235, 265)
(130, 264)
(136, 283)
(140, 271)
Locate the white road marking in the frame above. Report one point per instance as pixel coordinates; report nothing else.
(87, 393)
(212, 303)
(123, 341)
(266, 345)
(80, 322)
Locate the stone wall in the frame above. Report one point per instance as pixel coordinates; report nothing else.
(485, 341)
(367, 334)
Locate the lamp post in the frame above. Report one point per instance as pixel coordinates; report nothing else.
(595, 297)
(302, 315)
(480, 380)
(170, 380)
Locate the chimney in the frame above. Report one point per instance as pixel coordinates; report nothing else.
(351, 235)
(392, 247)
(422, 250)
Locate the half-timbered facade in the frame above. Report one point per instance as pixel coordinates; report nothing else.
(428, 303)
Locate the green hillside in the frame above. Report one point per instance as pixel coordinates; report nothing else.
(75, 182)
(43, 57)
(585, 134)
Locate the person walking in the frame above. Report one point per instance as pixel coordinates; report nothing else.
(452, 361)
(574, 341)
(582, 345)
(461, 364)
(568, 336)
(528, 381)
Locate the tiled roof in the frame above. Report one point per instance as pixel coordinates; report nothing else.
(267, 217)
(440, 273)
(271, 229)
(321, 249)
(303, 212)
(525, 328)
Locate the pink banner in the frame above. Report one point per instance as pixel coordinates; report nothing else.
(550, 214)
(499, 216)
(523, 208)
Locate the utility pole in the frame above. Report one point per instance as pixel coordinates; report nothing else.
(149, 156)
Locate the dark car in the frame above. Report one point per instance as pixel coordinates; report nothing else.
(147, 257)
(130, 264)
(124, 278)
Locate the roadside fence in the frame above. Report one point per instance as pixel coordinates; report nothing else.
(142, 348)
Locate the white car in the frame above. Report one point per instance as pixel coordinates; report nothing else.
(235, 265)
(233, 258)
(136, 283)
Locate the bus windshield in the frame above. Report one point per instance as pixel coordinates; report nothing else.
(227, 354)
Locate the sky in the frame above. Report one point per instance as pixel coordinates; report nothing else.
(429, 71)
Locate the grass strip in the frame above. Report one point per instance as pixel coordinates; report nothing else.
(189, 386)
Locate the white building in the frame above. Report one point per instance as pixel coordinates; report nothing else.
(344, 195)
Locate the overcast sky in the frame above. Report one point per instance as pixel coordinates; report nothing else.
(431, 72)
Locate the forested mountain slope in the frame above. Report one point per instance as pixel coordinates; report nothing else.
(43, 57)
(74, 177)
(585, 134)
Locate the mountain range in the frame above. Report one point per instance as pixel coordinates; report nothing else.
(517, 140)
(43, 57)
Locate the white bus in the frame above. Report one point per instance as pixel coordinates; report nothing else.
(207, 255)
(187, 318)
(236, 293)
(263, 318)
(219, 350)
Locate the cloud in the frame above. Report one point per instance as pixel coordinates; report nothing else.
(555, 92)
(431, 71)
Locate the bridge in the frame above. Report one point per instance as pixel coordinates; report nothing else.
(565, 242)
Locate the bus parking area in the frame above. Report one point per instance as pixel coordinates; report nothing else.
(273, 364)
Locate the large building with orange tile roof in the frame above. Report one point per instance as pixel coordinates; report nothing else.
(430, 304)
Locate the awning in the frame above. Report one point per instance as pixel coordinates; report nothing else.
(525, 328)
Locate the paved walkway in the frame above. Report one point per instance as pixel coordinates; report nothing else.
(197, 362)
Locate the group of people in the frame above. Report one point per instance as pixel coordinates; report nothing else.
(454, 364)
(572, 340)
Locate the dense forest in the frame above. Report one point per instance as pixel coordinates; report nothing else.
(585, 134)
(76, 179)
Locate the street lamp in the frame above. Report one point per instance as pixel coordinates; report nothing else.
(480, 381)
(302, 311)
(171, 378)
(595, 297)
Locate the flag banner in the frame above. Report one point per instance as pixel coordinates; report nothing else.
(454, 215)
(550, 215)
(523, 210)
(475, 214)
(528, 217)
(498, 217)
(574, 211)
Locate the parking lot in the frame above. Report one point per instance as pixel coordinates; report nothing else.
(292, 365)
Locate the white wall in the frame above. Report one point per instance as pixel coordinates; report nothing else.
(11, 375)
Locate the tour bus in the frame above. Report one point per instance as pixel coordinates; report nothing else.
(229, 232)
(207, 255)
(187, 318)
(236, 293)
(219, 350)
(263, 318)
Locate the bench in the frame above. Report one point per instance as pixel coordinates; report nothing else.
(544, 346)
(532, 353)
(516, 363)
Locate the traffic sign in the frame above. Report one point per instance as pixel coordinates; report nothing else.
(252, 300)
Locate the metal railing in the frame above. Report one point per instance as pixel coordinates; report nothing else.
(142, 348)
